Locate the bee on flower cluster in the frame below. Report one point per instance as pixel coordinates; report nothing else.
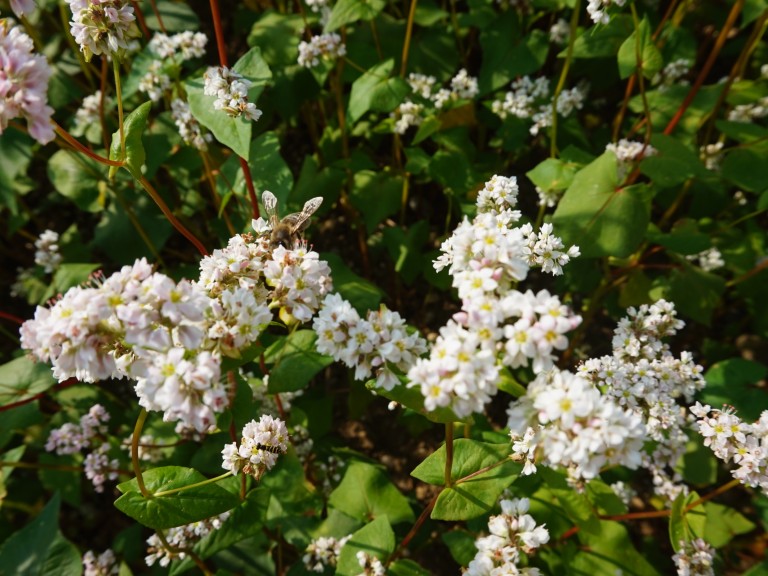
(288, 231)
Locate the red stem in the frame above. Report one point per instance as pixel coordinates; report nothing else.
(157, 15)
(11, 317)
(67, 137)
(140, 20)
(60, 386)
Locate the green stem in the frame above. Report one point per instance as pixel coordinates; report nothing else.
(119, 96)
(195, 485)
(448, 454)
(135, 453)
(563, 75)
(639, 74)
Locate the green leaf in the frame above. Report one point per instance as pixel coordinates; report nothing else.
(376, 91)
(552, 174)
(686, 525)
(507, 54)
(723, 524)
(609, 550)
(376, 195)
(600, 218)
(366, 493)
(133, 127)
(179, 508)
(177, 16)
(602, 41)
(412, 398)
(63, 558)
(295, 360)
(21, 379)
(26, 551)
(406, 567)
(230, 131)
(15, 156)
(348, 11)
(278, 36)
(359, 292)
(746, 169)
(696, 293)
(736, 382)
(461, 545)
(698, 465)
(473, 497)
(673, 164)
(79, 179)
(577, 506)
(375, 538)
(684, 237)
(406, 249)
(11, 456)
(69, 275)
(605, 499)
(639, 51)
(742, 131)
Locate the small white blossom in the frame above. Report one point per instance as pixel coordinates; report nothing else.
(102, 26)
(323, 553)
(47, 251)
(231, 91)
(180, 538)
(319, 48)
(261, 444)
(695, 559)
(105, 564)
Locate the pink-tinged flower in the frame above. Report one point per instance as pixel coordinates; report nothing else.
(24, 84)
(22, 7)
(102, 26)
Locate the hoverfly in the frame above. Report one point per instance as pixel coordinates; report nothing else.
(288, 231)
(268, 448)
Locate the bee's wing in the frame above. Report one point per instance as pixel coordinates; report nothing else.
(300, 220)
(270, 206)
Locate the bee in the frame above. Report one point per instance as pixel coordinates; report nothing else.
(288, 231)
(266, 448)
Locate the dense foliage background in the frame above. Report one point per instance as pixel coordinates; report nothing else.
(635, 128)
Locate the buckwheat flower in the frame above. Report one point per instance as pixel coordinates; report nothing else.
(180, 538)
(236, 319)
(105, 564)
(524, 98)
(149, 450)
(712, 155)
(231, 91)
(708, 260)
(461, 372)
(371, 565)
(317, 5)
(442, 97)
(694, 558)
(511, 532)
(545, 250)
(498, 195)
(323, 553)
(155, 83)
(749, 112)
(464, 86)
(102, 26)
(190, 129)
(184, 45)
(99, 468)
(623, 491)
(323, 47)
(548, 198)
(406, 115)
(261, 444)
(627, 153)
(24, 83)
(47, 251)
(560, 32)
(421, 84)
(89, 112)
(672, 74)
(22, 7)
(598, 10)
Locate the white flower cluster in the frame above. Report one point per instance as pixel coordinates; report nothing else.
(598, 10)
(149, 451)
(732, 439)
(511, 532)
(319, 48)
(708, 260)
(410, 113)
(371, 565)
(374, 345)
(47, 251)
(564, 421)
(560, 32)
(105, 564)
(323, 553)
(546, 250)
(328, 474)
(529, 98)
(189, 128)
(155, 82)
(643, 375)
(89, 112)
(261, 443)
(749, 112)
(712, 155)
(24, 85)
(182, 46)
(231, 91)
(72, 438)
(88, 435)
(179, 539)
(694, 559)
(628, 152)
(102, 26)
(497, 325)
(672, 74)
